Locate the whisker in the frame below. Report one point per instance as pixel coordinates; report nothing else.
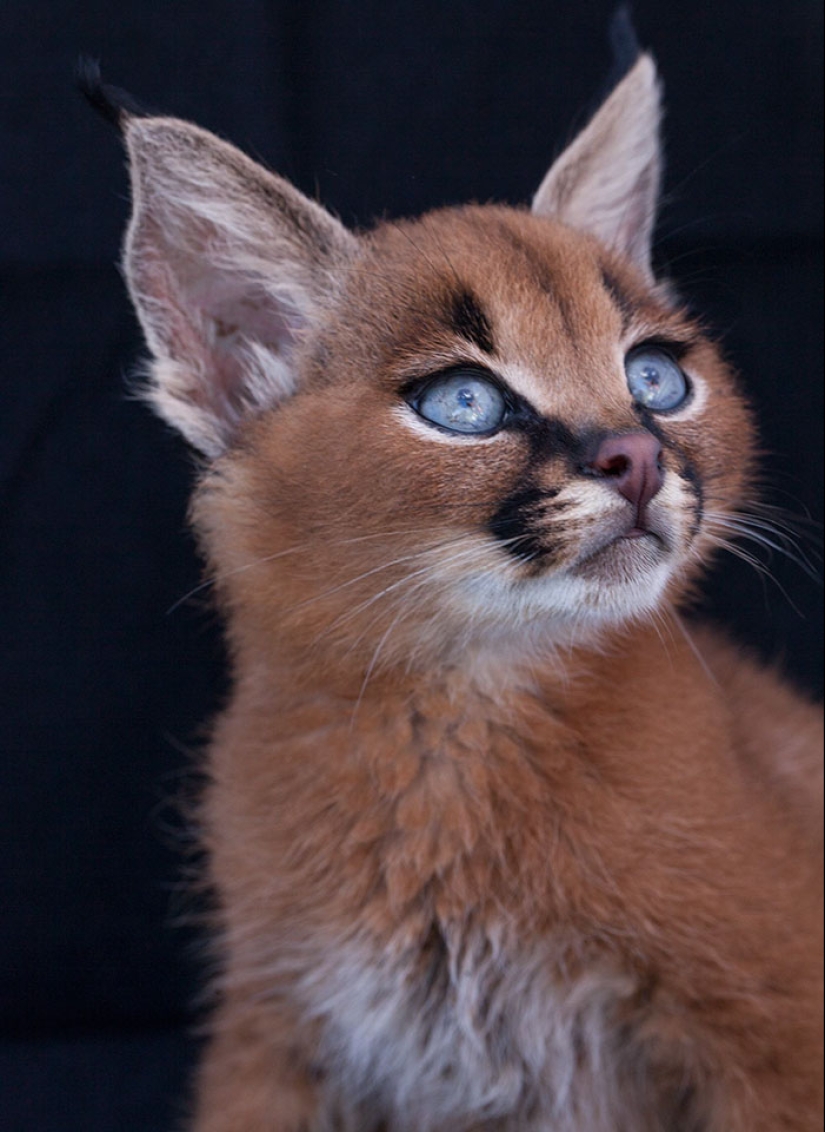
(416, 582)
(784, 533)
(757, 565)
(760, 505)
(781, 516)
(373, 662)
(430, 569)
(376, 570)
(739, 552)
(482, 506)
(231, 573)
(763, 532)
(660, 620)
(264, 559)
(694, 648)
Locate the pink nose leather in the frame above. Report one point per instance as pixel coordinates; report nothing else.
(632, 462)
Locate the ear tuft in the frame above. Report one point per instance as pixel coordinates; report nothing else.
(112, 103)
(607, 180)
(625, 43)
(229, 267)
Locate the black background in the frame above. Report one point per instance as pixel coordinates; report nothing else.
(376, 107)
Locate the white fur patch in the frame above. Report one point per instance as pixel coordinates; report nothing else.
(490, 1034)
(567, 604)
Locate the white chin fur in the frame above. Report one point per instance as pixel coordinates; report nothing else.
(565, 601)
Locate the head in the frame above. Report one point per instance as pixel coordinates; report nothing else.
(484, 425)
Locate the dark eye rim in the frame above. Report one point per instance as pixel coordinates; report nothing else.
(674, 352)
(414, 391)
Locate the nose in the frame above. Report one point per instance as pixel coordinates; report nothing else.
(632, 462)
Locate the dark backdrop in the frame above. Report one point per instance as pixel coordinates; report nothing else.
(376, 107)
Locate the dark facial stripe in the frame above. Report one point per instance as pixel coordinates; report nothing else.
(621, 300)
(543, 278)
(520, 521)
(551, 438)
(514, 523)
(469, 321)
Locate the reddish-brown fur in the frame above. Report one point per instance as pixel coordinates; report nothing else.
(610, 825)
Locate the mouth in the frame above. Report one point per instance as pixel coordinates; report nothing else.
(623, 557)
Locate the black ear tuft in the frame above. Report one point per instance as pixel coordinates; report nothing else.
(111, 102)
(624, 41)
(626, 51)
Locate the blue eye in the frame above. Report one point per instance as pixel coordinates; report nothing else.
(464, 402)
(655, 380)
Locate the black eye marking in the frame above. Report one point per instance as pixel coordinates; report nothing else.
(690, 475)
(652, 423)
(470, 322)
(548, 437)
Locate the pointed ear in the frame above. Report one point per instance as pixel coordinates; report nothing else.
(607, 181)
(228, 267)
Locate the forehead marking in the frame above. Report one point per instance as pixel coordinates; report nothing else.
(469, 321)
(620, 298)
(542, 276)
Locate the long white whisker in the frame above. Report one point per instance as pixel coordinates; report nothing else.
(759, 567)
(400, 532)
(757, 531)
(694, 648)
(416, 583)
(416, 555)
(373, 662)
(739, 552)
(231, 573)
(405, 589)
(773, 528)
(742, 527)
(471, 551)
(428, 570)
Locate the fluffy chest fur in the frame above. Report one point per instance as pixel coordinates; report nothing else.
(475, 898)
(471, 1028)
(446, 960)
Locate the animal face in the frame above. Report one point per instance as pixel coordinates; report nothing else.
(571, 504)
(485, 424)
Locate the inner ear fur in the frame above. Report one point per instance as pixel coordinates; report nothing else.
(228, 266)
(607, 180)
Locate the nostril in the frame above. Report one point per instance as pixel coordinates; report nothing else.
(633, 463)
(615, 466)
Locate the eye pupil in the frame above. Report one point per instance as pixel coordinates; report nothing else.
(651, 376)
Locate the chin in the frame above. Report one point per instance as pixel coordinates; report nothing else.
(612, 591)
(622, 583)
